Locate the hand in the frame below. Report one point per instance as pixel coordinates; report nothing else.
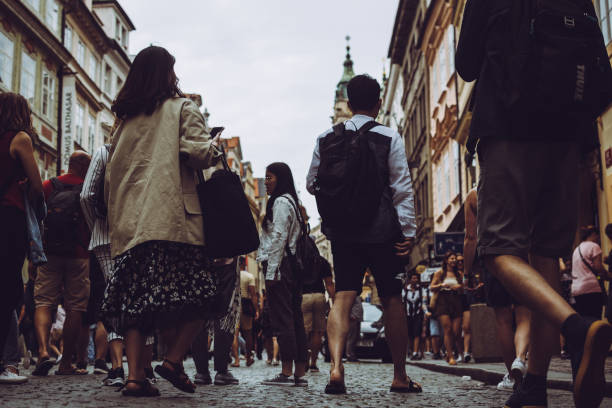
(217, 140)
(404, 248)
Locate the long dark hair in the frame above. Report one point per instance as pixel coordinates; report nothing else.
(15, 113)
(445, 265)
(284, 185)
(150, 82)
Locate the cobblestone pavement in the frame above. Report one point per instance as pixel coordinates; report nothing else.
(367, 384)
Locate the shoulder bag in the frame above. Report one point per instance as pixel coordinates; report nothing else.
(601, 284)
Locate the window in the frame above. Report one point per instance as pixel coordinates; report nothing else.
(107, 79)
(80, 119)
(447, 179)
(80, 57)
(52, 15)
(48, 94)
(35, 4)
(6, 61)
(117, 29)
(94, 68)
(124, 37)
(605, 16)
(68, 38)
(28, 77)
(456, 155)
(91, 132)
(119, 85)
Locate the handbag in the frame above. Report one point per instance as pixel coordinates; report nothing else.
(229, 227)
(601, 284)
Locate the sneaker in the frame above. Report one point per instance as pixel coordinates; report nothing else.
(507, 384)
(524, 396)
(467, 357)
(27, 359)
(115, 378)
(300, 382)
(437, 356)
(202, 379)
(275, 363)
(150, 375)
(518, 370)
(280, 379)
(225, 378)
(100, 367)
(9, 377)
(414, 356)
(588, 365)
(459, 359)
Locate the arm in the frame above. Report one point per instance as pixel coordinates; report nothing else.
(600, 269)
(195, 145)
(471, 45)
(21, 148)
(401, 186)
(436, 285)
(314, 167)
(470, 242)
(283, 216)
(92, 179)
(330, 287)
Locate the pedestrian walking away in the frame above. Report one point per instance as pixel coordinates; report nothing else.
(281, 230)
(529, 127)
(367, 209)
(415, 311)
(161, 276)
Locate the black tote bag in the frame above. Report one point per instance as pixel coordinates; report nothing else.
(229, 227)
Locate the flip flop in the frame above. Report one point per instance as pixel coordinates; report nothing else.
(72, 371)
(335, 388)
(43, 366)
(413, 387)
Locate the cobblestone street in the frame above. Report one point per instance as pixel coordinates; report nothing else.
(367, 385)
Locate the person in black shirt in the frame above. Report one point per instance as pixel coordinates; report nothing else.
(314, 306)
(413, 297)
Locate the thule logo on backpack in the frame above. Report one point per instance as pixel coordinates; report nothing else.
(579, 91)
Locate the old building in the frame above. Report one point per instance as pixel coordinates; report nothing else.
(341, 109)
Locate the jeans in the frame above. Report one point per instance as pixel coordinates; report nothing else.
(223, 344)
(10, 354)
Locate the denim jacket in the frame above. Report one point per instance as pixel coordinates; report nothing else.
(35, 214)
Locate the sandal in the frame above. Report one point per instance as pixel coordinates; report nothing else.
(145, 389)
(335, 388)
(72, 371)
(413, 387)
(43, 366)
(176, 376)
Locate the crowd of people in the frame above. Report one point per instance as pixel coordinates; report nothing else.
(117, 244)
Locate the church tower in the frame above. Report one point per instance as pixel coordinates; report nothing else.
(341, 110)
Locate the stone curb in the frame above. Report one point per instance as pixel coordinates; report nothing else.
(491, 377)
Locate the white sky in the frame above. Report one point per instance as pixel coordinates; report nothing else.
(267, 69)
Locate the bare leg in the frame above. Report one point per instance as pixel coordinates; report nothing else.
(269, 346)
(82, 344)
(467, 332)
(287, 368)
(72, 329)
(116, 353)
(505, 335)
(235, 352)
(134, 344)
(275, 348)
(42, 324)
(435, 344)
(186, 332)
(337, 330)
(521, 336)
(315, 346)
(248, 338)
(449, 338)
(457, 333)
(101, 342)
(147, 356)
(395, 332)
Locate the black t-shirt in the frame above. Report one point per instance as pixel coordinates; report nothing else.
(323, 271)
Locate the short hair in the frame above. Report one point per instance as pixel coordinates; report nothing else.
(609, 230)
(363, 92)
(79, 162)
(586, 232)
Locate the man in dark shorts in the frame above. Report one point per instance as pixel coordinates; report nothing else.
(528, 201)
(379, 246)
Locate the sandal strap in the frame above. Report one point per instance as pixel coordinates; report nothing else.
(178, 367)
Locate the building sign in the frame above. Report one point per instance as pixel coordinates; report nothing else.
(448, 242)
(427, 274)
(68, 101)
(608, 155)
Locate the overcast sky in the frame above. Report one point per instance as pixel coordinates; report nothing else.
(267, 69)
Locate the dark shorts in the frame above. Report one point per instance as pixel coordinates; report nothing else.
(450, 304)
(527, 197)
(352, 259)
(497, 295)
(415, 326)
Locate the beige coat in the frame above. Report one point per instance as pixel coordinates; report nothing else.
(151, 194)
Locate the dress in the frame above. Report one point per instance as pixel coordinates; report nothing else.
(158, 284)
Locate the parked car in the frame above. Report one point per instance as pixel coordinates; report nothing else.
(372, 343)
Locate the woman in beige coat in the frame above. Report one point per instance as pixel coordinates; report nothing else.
(161, 277)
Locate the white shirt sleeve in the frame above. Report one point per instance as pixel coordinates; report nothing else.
(401, 186)
(92, 178)
(279, 236)
(314, 166)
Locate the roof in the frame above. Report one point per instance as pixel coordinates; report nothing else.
(119, 8)
(406, 10)
(347, 74)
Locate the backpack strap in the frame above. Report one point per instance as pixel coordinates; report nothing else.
(367, 127)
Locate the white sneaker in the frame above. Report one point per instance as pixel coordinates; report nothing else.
(518, 370)
(459, 358)
(9, 377)
(507, 384)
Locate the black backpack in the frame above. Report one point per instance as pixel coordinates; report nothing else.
(64, 219)
(556, 59)
(348, 186)
(305, 261)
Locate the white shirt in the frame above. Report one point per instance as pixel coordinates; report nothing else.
(97, 225)
(285, 228)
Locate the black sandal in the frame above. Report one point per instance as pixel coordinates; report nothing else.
(176, 376)
(413, 387)
(335, 388)
(43, 367)
(145, 389)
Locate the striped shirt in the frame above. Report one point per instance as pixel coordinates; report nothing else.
(98, 225)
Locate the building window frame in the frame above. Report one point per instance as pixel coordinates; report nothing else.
(108, 77)
(79, 123)
(52, 15)
(80, 54)
(27, 82)
(47, 102)
(604, 11)
(94, 68)
(7, 60)
(68, 38)
(35, 4)
(91, 132)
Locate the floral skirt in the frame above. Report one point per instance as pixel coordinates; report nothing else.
(157, 285)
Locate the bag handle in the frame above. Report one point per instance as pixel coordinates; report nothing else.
(226, 166)
(586, 263)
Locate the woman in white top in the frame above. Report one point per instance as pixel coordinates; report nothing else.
(281, 229)
(449, 306)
